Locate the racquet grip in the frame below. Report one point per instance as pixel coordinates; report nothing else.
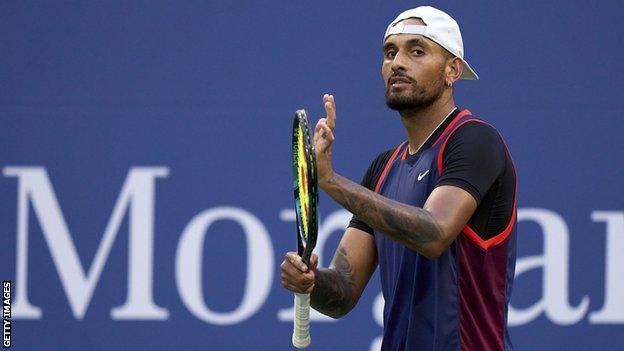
(301, 332)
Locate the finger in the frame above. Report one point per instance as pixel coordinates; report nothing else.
(296, 261)
(326, 132)
(312, 276)
(326, 98)
(301, 283)
(319, 124)
(330, 109)
(318, 129)
(289, 272)
(313, 262)
(323, 131)
(295, 276)
(307, 279)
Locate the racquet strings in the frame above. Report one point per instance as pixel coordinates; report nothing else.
(302, 176)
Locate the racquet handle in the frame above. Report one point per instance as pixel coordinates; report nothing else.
(301, 331)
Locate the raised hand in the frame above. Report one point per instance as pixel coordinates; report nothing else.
(323, 139)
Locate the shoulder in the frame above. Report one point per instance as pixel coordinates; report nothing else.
(474, 158)
(381, 159)
(376, 168)
(477, 138)
(476, 130)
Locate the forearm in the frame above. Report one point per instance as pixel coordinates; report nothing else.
(412, 226)
(333, 287)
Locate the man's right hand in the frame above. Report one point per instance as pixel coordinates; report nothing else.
(296, 276)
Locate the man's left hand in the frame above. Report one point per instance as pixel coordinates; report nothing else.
(323, 139)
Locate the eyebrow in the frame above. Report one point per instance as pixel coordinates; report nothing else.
(411, 42)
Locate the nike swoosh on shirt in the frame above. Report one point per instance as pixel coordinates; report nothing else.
(422, 175)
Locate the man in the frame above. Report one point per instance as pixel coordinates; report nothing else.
(437, 213)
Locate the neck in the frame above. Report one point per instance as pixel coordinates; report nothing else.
(421, 123)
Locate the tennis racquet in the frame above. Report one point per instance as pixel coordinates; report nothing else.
(305, 188)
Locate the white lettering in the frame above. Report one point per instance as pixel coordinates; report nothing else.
(378, 307)
(613, 309)
(260, 263)
(137, 195)
(554, 263)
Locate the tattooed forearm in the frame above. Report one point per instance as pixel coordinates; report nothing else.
(411, 226)
(333, 288)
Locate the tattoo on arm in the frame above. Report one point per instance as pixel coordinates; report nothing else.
(412, 226)
(333, 288)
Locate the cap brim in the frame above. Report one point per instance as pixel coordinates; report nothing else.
(468, 73)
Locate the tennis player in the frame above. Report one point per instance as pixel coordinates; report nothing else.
(437, 213)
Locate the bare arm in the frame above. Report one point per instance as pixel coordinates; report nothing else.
(334, 290)
(428, 230)
(338, 288)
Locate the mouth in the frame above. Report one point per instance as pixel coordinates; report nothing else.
(398, 82)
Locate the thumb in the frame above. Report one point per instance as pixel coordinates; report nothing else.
(313, 262)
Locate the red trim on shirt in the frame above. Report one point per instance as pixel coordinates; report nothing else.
(470, 233)
(441, 151)
(496, 239)
(455, 120)
(387, 167)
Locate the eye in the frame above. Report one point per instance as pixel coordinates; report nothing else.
(390, 54)
(417, 52)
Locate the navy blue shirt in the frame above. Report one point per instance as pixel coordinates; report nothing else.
(459, 300)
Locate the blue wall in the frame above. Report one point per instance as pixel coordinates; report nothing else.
(92, 94)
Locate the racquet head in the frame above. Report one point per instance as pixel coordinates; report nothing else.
(305, 185)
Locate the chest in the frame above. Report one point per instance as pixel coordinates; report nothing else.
(410, 180)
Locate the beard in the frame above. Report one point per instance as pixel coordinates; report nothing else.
(416, 97)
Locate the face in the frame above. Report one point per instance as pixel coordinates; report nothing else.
(413, 70)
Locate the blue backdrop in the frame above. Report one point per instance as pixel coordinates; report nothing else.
(145, 187)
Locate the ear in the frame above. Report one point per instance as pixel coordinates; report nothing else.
(453, 70)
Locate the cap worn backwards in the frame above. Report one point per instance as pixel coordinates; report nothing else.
(439, 27)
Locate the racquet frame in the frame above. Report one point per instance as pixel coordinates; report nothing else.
(306, 214)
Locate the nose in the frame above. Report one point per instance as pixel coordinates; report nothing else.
(399, 62)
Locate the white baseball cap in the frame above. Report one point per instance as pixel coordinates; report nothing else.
(439, 27)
